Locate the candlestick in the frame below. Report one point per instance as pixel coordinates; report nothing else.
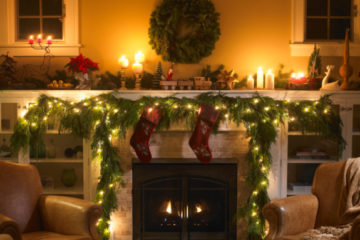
(270, 80)
(39, 39)
(49, 40)
(124, 62)
(31, 39)
(139, 57)
(250, 82)
(260, 78)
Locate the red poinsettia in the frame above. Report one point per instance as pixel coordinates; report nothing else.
(81, 64)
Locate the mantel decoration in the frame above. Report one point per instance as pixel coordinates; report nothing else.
(81, 67)
(184, 31)
(105, 117)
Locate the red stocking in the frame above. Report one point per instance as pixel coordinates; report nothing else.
(143, 130)
(200, 137)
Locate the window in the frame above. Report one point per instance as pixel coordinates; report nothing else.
(327, 19)
(21, 18)
(324, 22)
(40, 16)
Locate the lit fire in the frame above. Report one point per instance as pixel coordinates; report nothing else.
(168, 208)
(198, 208)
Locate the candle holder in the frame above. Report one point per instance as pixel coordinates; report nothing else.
(137, 81)
(123, 78)
(39, 46)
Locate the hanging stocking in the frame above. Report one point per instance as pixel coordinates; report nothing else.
(200, 137)
(143, 130)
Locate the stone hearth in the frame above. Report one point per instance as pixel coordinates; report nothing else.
(229, 146)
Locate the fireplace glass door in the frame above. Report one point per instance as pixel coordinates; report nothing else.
(184, 205)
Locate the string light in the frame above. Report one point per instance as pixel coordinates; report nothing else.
(248, 110)
(226, 115)
(101, 193)
(189, 106)
(156, 104)
(150, 110)
(111, 185)
(263, 183)
(307, 109)
(255, 193)
(45, 118)
(217, 107)
(256, 100)
(267, 109)
(175, 106)
(33, 124)
(116, 110)
(76, 110)
(254, 214)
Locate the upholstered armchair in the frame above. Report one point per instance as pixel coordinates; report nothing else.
(28, 215)
(334, 202)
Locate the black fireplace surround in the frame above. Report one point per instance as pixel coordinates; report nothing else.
(184, 201)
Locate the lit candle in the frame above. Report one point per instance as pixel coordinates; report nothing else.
(137, 68)
(39, 38)
(250, 82)
(139, 57)
(270, 80)
(49, 40)
(124, 62)
(260, 78)
(31, 39)
(298, 78)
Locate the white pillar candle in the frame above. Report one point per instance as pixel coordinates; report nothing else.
(270, 80)
(137, 68)
(123, 61)
(250, 82)
(260, 78)
(139, 57)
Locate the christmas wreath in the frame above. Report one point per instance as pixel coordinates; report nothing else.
(184, 31)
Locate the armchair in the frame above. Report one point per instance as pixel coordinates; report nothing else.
(26, 214)
(334, 201)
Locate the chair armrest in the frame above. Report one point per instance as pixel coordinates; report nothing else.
(355, 229)
(291, 216)
(10, 227)
(71, 216)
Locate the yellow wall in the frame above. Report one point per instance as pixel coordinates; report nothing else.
(254, 33)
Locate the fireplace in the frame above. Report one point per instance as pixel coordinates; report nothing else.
(184, 201)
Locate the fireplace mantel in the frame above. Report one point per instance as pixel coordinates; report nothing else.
(172, 146)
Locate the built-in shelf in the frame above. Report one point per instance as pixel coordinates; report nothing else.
(305, 190)
(6, 132)
(298, 133)
(314, 161)
(56, 160)
(9, 159)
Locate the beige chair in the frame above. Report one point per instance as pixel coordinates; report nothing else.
(290, 217)
(27, 214)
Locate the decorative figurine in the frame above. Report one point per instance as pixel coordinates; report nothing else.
(346, 70)
(325, 85)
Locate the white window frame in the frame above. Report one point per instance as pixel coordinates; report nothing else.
(8, 43)
(334, 48)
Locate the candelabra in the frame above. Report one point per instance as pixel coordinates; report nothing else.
(138, 81)
(39, 45)
(123, 78)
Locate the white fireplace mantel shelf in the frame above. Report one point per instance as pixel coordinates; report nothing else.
(31, 95)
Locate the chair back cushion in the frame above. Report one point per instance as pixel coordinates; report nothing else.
(20, 190)
(326, 187)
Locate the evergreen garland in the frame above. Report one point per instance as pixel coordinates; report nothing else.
(184, 31)
(105, 117)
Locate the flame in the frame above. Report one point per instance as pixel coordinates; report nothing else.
(198, 208)
(168, 208)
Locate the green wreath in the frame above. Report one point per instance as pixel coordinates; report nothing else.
(184, 31)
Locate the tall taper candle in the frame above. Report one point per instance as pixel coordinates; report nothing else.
(260, 78)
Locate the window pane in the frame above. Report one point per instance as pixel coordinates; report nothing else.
(316, 29)
(53, 27)
(317, 7)
(52, 7)
(340, 8)
(29, 7)
(27, 27)
(338, 28)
